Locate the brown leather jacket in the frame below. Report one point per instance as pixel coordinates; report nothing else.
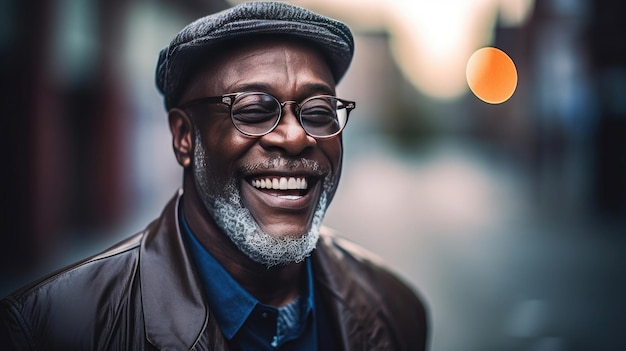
(143, 294)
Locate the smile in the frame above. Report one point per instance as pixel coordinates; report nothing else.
(283, 199)
(288, 188)
(280, 183)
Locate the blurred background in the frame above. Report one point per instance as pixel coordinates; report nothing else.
(509, 220)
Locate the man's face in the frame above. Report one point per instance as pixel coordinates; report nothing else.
(230, 166)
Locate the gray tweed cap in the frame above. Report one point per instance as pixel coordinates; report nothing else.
(199, 40)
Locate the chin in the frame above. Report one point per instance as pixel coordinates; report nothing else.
(289, 232)
(274, 244)
(270, 245)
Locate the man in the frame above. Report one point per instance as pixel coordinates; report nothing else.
(238, 260)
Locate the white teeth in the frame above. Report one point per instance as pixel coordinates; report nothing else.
(282, 183)
(290, 197)
(292, 184)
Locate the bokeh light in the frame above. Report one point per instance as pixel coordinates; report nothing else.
(491, 75)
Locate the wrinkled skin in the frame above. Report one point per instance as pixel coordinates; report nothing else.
(289, 71)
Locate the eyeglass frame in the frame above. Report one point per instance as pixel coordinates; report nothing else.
(230, 98)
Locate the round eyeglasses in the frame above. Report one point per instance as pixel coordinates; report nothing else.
(258, 113)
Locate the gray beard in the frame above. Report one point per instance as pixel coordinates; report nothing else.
(241, 227)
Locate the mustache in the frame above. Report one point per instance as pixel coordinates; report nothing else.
(277, 162)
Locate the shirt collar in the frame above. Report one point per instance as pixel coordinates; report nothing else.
(228, 300)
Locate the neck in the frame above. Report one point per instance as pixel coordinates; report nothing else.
(275, 286)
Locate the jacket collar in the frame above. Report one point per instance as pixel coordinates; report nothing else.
(175, 313)
(177, 318)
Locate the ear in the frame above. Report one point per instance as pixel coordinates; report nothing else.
(182, 136)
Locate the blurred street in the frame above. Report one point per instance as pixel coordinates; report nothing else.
(496, 273)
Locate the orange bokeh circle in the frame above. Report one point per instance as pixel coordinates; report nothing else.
(491, 75)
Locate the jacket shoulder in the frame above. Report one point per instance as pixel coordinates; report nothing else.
(70, 299)
(367, 267)
(70, 276)
(393, 299)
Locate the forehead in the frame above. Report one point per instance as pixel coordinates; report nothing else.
(267, 64)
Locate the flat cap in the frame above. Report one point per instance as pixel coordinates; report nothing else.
(201, 38)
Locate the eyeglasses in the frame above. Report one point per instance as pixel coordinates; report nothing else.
(258, 113)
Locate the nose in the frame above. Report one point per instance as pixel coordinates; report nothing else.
(288, 134)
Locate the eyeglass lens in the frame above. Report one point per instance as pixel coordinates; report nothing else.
(258, 113)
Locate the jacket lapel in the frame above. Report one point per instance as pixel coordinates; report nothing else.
(175, 314)
(350, 303)
(338, 293)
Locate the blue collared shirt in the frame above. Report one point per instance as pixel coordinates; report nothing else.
(245, 322)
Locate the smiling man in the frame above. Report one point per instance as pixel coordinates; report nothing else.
(239, 259)
(266, 182)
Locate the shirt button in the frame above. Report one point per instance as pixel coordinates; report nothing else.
(264, 315)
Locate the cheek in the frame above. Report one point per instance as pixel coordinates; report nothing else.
(333, 150)
(226, 147)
